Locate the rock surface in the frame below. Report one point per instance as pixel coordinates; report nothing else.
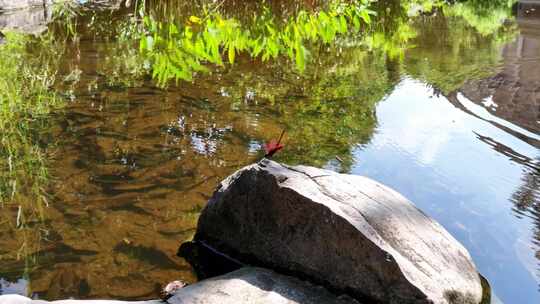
(247, 285)
(26, 16)
(32, 20)
(347, 232)
(6, 5)
(32, 16)
(17, 299)
(255, 286)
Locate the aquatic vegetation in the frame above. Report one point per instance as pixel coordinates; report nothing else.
(178, 48)
(25, 105)
(487, 17)
(177, 51)
(131, 148)
(297, 44)
(393, 29)
(414, 7)
(337, 111)
(326, 112)
(123, 64)
(64, 17)
(447, 71)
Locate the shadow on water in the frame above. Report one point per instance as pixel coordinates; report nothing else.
(440, 103)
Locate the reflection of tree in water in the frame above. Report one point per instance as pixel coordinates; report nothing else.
(328, 111)
(527, 200)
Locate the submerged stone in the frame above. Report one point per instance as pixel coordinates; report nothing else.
(347, 232)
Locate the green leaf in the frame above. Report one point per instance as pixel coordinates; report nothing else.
(195, 19)
(300, 57)
(364, 14)
(356, 23)
(231, 54)
(342, 24)
(149, 43)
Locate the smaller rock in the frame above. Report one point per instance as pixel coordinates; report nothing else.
(255, 286)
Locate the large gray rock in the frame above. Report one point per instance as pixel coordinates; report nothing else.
(247, 285)
(348, 232)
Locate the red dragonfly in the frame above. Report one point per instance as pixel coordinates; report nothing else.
(273, 146)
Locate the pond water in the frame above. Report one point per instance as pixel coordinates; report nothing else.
(440, 103)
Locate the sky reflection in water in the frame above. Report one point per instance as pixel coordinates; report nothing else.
(429, 150)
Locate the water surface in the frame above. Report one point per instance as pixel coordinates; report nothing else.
(441, 107)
